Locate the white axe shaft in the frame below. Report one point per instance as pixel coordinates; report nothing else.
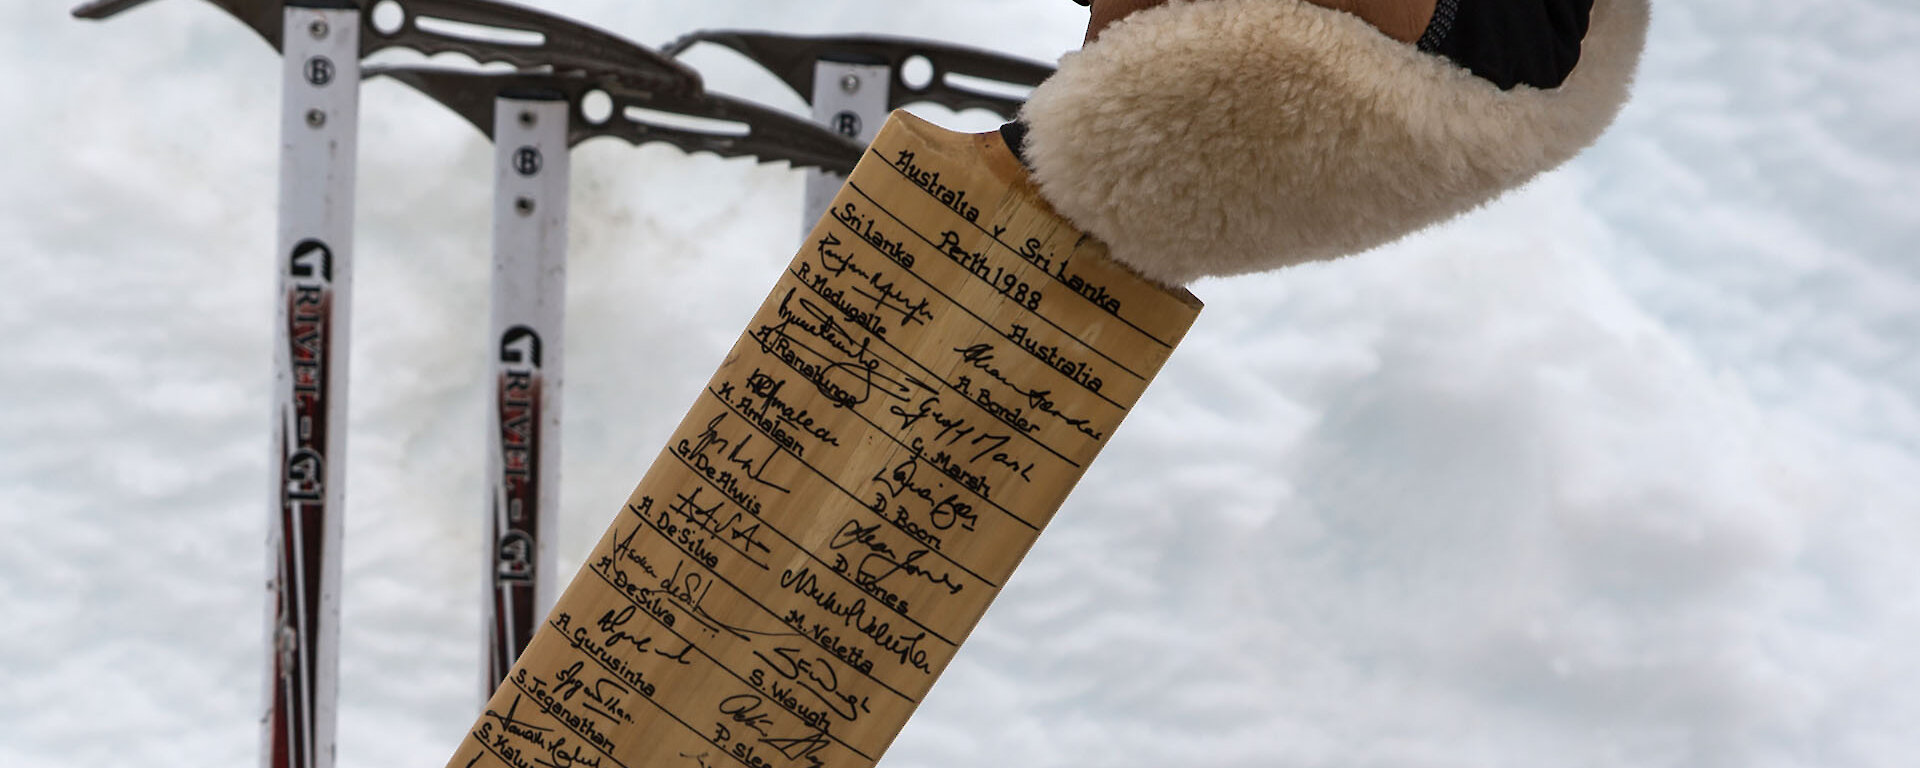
(529, 308)
(320, 115)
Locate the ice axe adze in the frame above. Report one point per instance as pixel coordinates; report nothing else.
(483, 30)
(853, 82)
(322, 43)
(702, 122)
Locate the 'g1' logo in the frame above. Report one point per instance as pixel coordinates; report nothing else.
(306, 476)
(514, 558)
(319, 71)
(847, 124)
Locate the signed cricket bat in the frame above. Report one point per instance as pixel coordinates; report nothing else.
(923, 386)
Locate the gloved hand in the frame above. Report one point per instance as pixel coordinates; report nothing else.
(1221, 137)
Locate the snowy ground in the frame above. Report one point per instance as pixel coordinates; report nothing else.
(1622, 471)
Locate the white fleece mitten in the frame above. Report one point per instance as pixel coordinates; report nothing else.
(1221, 137)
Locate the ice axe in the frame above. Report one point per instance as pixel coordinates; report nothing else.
(322, 43)
(533, 120)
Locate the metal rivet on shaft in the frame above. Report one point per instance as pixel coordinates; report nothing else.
(528, 119)
(316, 118)
(523, 206)
(850, 83)
(318, 29)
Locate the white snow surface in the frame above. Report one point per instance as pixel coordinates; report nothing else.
(1623, 470)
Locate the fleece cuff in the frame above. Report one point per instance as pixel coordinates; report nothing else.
(1221, 137)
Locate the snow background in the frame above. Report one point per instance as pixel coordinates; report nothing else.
(1623, 470)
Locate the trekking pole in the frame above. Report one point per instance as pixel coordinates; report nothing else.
(322, 43)
(533, 121)
(853, 83)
